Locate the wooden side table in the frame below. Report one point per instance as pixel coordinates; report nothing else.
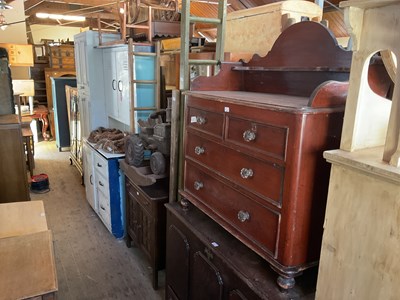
(41, 113)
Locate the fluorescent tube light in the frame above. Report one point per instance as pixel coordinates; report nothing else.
(60, 17)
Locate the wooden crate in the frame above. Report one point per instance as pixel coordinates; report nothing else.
(62, 57)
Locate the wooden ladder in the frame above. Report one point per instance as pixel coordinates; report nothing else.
(178, 104)
(186, 20)
(134, 82)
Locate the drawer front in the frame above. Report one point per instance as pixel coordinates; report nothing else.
(205, 121)
(102, 184)
(262, 178)
(266, 139)
(101, 165)
(144, 202)
(104, 209)
(255, 223)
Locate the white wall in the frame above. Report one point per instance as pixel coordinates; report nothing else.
(15, 33)
(55, 33)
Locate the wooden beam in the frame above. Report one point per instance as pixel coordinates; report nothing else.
(29, 4)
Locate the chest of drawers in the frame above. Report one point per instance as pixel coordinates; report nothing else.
(257, 169)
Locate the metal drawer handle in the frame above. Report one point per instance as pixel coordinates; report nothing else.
(249, 135)
(99, 165)
(199, 150)
(200, 120)
(101, 184)
(246, 173)
(243, 216)
(198, 185)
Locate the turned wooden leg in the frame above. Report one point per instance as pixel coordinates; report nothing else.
(45, 126)
(286, 282)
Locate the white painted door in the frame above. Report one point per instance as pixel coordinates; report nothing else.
(123, 86)
(88, 176)
(110, 83)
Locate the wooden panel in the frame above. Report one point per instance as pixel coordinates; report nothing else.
(27, 266)
(22, 218)
(359, 256)
(13, 175)
(206, 280)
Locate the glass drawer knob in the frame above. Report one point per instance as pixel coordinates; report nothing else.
(243, 216)
(199, 150)
(249, 135)
(200, 120)
(198, 185)
(246, 173)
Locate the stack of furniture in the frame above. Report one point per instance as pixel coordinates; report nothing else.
(102, 180)
(253, 143)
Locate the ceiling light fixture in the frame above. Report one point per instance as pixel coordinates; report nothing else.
(4, 5)
(59, 17)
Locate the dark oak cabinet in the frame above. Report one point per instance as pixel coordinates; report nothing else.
(145, 220)
(205, 262)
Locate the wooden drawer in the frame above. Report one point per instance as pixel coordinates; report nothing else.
(101, 165)
(266, 139)
(262, 178)
(205, 121)
(102, 184)
(104, 209)
(139, 197)
(243, 217)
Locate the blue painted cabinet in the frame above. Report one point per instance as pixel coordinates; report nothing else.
(104, 188)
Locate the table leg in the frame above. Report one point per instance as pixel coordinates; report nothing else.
(45, 126)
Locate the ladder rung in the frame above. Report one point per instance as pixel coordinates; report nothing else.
(144, 108)
(144, 53)
(203, 62)
(144, 81)
(137, 26)
(194, 19)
